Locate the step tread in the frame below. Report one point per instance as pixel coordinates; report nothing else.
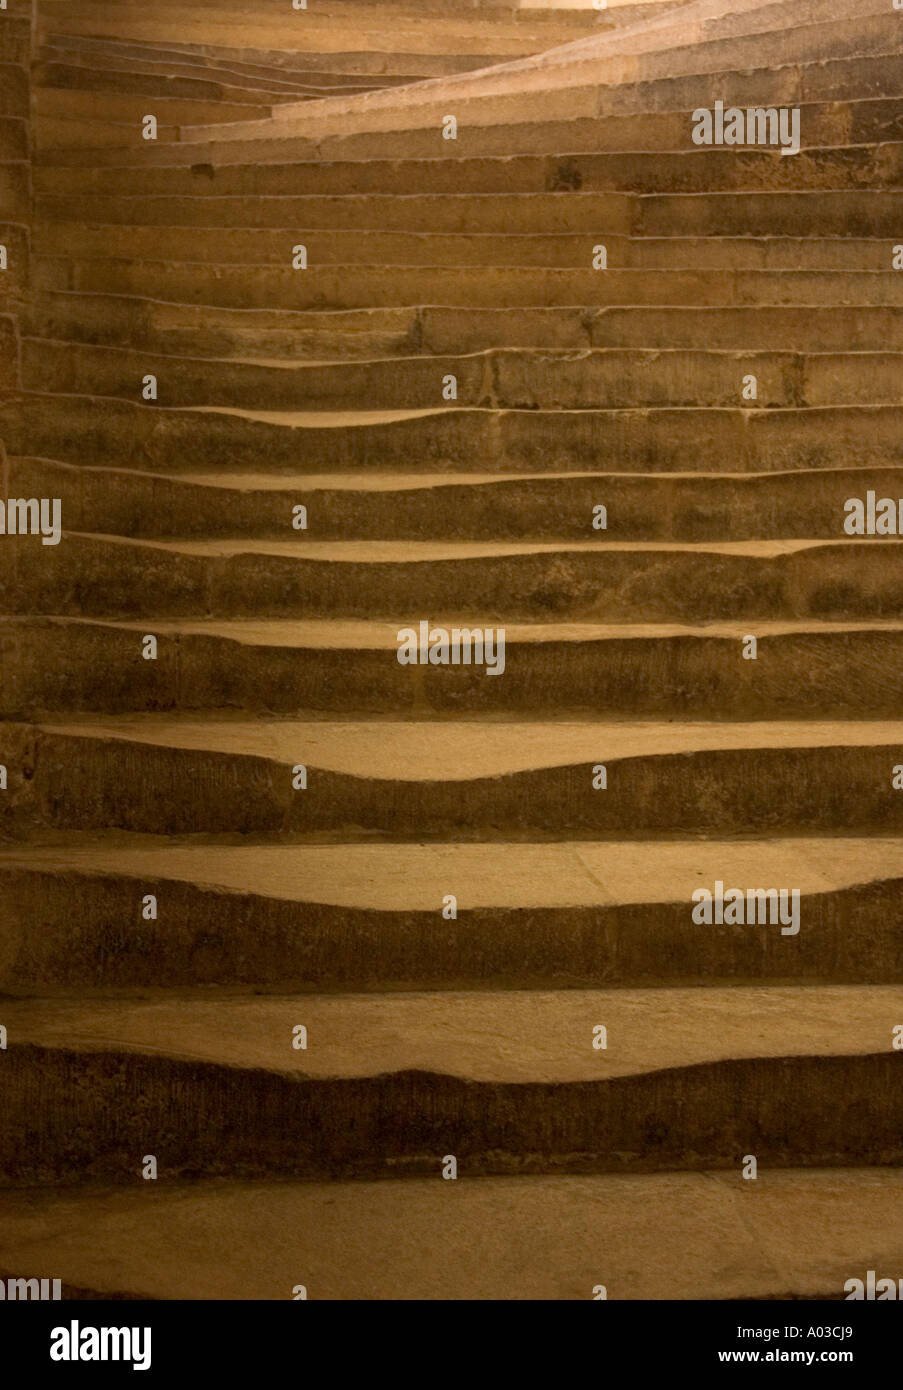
(421, 552)
(430, 750)
(705, 1235)
(481, 1036)
(389, 877)
(332, 634)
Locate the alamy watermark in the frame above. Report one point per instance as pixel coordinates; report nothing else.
(873, 516)
(873, 1288)
(737, 907)
(455, 646)
(32, 516)
(754, 125)
(22, 1290)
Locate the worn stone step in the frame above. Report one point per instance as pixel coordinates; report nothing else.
(256, 246)
(516, 378)
(611, 581)
(598, 215)
(369, 917)
(144, 436)
(241, 286)
(173, 169)
(794, 1233)
(337, 335)
(505, 1082)
(450, 781)
(480, 506)
(802, 670)
(59, 104)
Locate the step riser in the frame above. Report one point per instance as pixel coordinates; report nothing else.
(703, 171)
(62, 782)
(844, 675)
(193, 331)
(848, 581)
(97, 1109)
(596, 215)
(67, 133)
(264, 246)
(92, 107)
(208, 937)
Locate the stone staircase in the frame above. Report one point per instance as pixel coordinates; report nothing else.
(257, 820)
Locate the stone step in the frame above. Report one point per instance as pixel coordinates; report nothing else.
(505, 1082)
(377, 333)
(59, 104)
(146, 437)
(611, 581)
(446, 781)
(840, 670)
(369, 917)
(66, 134)
(257, 246)
(685, 507)
(794, 1233)
(356, 286)
(598, 215)
(802, 670)
(504, 378)
(174, 169)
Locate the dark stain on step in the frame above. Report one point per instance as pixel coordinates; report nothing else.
(205, 171)
(567, 178)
